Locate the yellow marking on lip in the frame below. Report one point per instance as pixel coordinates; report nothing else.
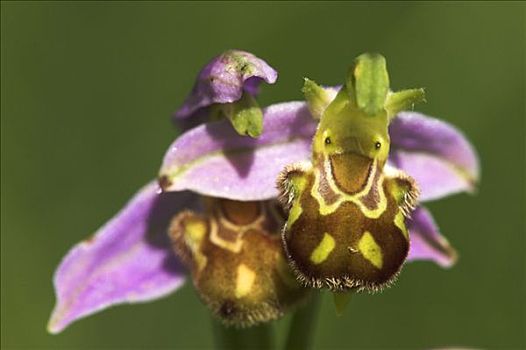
(195, 230)
(194, 233)
(371, 250)
(295, 213)
(234, 247)
(326, 209)
(399, 222)
(244, 281)
(298, 184)
(322, 251)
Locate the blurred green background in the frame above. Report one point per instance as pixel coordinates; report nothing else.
(87, 92)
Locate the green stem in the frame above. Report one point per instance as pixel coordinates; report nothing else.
(231, 338)
(303, 325)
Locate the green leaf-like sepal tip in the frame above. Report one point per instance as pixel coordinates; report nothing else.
(245, 115)
(403, 100)
(368, 83)
(368, 88)
(317, 98)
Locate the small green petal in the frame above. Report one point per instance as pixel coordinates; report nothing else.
(368, 83)
(245, 115)
(317, 98)
(404, 100)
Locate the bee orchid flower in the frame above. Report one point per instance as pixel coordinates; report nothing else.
(135, 257)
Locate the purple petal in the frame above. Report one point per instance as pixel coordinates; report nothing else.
(212, 159)
(224, 79)
(435, 153)
(128, 260)
(426, 241)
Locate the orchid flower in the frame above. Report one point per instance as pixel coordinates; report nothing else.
(138, 256)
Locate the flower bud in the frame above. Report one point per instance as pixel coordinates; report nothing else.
(227, 87)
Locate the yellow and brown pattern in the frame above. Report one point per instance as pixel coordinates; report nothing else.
(346, 233)
(236, 260)
(346, 225)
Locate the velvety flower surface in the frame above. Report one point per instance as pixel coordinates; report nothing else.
(129, 258)
(443, 162)
(212, 159)
(426, 241)
(125, 261)
(224, 79)
(435, 153)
